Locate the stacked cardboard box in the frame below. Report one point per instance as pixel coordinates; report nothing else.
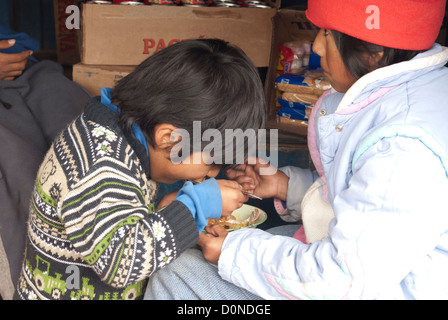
(116, 38)
(67, 40)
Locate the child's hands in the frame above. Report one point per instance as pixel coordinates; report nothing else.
(12, 64)
(232, 197)
(211, 242)
(262, 185)
(166, 200)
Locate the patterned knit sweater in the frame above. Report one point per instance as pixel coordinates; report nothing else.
(92, 231)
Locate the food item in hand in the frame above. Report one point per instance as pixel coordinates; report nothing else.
(231, 222)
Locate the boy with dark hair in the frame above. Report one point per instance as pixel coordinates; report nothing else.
(93, 232)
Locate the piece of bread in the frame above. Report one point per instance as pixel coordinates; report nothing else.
(231, 222)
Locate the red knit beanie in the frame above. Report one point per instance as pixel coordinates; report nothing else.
(399, 24)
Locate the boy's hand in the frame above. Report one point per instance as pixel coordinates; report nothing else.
(211, 242)
(232, 197)
(12, 64)
(262, 185)
(166, 200)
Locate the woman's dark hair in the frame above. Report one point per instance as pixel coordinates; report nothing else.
(204, 80)
(353, 51)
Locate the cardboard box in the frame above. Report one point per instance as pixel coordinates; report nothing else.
(126, 35)
(288, 25)
(67, 40)
(94, 77)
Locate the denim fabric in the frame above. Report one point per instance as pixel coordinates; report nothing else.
(191, 277)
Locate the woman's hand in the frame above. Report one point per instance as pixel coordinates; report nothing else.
(211, 242)
(12, 64)
(232, 197)
(250, 176)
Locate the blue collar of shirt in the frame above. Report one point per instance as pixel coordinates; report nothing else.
(106, 97)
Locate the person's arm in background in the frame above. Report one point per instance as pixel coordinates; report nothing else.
(12, 64)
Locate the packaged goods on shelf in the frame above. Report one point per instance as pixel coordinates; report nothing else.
(298, 93)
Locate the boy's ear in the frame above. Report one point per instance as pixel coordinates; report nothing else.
(162, 135)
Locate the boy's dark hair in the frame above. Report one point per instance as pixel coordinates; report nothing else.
(353, 51)
(204, 80)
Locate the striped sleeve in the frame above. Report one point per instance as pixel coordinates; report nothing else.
(106, 206)
(108, 222)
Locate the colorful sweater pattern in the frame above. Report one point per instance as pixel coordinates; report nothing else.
(92, 231)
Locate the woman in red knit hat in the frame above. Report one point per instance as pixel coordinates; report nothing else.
(375, 215)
